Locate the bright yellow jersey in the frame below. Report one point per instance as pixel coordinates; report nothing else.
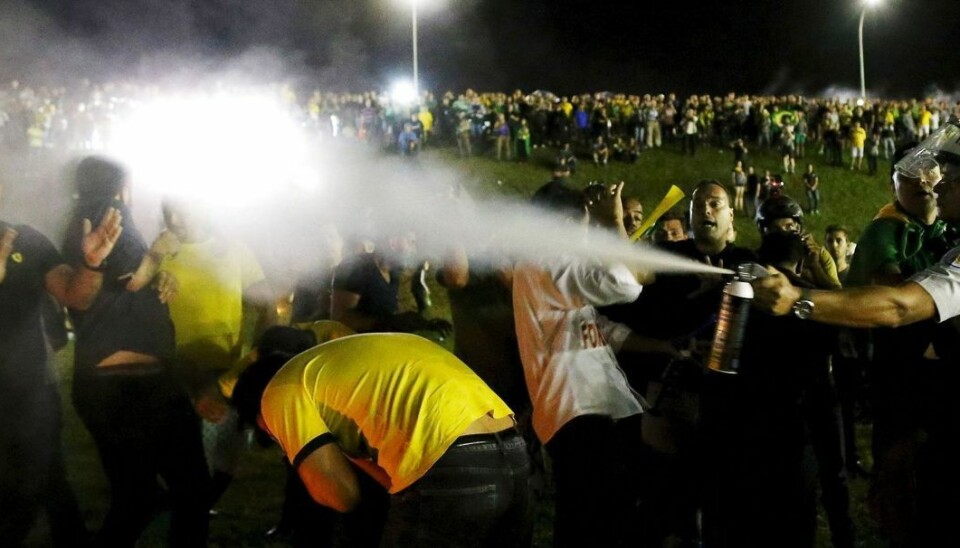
(858, 136)
(396, 398)
(323, 330)
(208, 311)
(426, 120)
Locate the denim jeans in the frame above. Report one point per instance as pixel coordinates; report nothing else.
(813, 200)
(477, 494)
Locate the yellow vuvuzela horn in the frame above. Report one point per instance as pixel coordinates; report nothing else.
(673, 197)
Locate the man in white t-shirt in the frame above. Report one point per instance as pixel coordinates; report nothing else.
(584, 411)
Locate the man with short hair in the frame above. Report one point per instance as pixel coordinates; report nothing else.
(219, 279)
(410, 415)
(584, 410)
(632, 214)
(683, 307)
(838, 245)
(671, 227)
(928, 294)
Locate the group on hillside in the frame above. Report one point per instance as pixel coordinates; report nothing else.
(586, 375)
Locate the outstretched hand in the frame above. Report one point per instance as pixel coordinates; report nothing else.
(98, 244)
(6, 249)
(775, 294)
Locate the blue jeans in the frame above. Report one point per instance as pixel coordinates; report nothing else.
(477, 495)
(813, 200)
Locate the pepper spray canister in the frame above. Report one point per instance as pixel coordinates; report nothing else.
(732, 320)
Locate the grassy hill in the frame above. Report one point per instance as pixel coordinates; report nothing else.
(252, 504)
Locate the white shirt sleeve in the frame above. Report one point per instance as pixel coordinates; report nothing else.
(599, 285)
(942, 282)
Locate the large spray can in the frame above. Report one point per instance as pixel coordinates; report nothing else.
(732, 320)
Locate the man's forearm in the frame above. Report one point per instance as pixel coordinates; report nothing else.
(873, 306)
(83, 288)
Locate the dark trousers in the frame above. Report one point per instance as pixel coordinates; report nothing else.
(596, 465)
(872, 164)
(690, 144)
(144, 426)
(477, 495)
(756, 491)
(821, 412)
(32, 472)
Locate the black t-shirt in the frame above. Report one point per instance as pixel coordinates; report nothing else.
(485, 337)
(681, 305)
(677, 307)
(359, 274)
(22, 348)
(118, 319)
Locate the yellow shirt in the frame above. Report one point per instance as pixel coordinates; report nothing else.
(426, 120)
(208, 311)
(396, 398)
(323, 330)
(858, 136)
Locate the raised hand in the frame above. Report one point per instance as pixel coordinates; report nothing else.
(97, 244)
(6, 249)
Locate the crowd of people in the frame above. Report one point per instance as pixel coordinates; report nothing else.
(509, 125)
(588, 372)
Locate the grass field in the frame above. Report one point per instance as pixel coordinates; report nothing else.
(251, 505)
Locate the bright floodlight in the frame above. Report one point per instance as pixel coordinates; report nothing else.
(403, 93)
(223, 148)
(869, 3)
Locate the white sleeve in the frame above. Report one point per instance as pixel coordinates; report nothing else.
(942, 282)
(599, 285)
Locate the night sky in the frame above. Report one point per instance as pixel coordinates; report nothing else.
(757, 46)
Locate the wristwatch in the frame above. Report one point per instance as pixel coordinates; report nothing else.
(803, 308)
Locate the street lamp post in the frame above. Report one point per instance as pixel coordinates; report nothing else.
(416, 73)
(867, 4)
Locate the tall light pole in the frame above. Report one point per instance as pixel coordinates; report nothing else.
(867, 4)
(416, 72)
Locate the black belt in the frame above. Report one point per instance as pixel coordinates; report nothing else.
(492, 437)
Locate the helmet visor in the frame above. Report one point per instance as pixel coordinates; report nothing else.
(942, 146)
